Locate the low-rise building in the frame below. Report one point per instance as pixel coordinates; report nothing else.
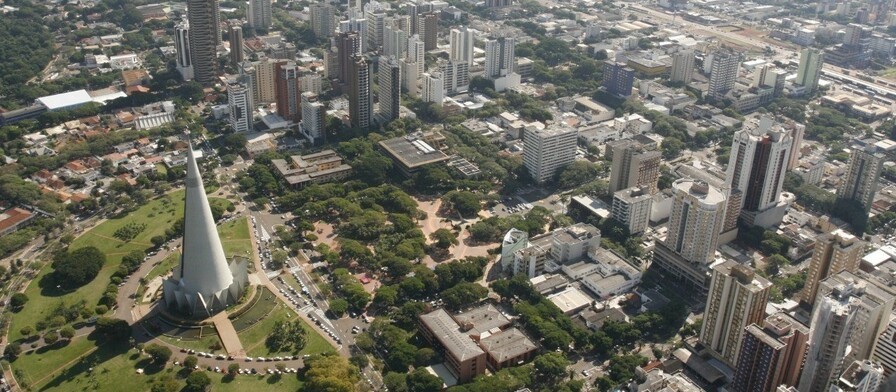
(14, 219)
(412, 152)
(320, 167)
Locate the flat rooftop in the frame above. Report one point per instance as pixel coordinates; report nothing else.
(570, 299)
(481, 319)
(508, 344)
(412, 152)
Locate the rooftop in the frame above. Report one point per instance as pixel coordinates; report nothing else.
(481, 319)
(12, 217)
(508, 344)
(412, 151)
(445, 329)
(64, 100)
(570, 299)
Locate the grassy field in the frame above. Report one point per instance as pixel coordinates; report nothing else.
(235, 237)
(253, 338)
(204, 344)
(35, 368)
(114, 368)
(158, 215)
(164, 267)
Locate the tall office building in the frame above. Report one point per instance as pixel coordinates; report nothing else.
(323, 20)
(357, 24)
(833, 252)
(360, 99)
(249, 76)
(389, 86)
(547, 151)
(288, 93)
(413, 18)
(723, 73)
(767, 76)
(682, 66)
(314, 114)
(433, 88)
(395, 41)
(376, 22)
(862, 376)
(455, 76)
(266, 80)
(797, 132)
(461, 45)
(331, 63)
(417, 53)
(618, 78)
(235, 37)
(500, 57)
(240, 105)
(204, 18)
(410, 79)
(885, 350)
(631, 207)
(260, 15)
(860, 182)
(760, 153)
(849, 315)
(811, 64)
(182, 45)
(429, 30)
(634, 165)
(771, 354)
(698, 213)
(737, 299)
(348, 45)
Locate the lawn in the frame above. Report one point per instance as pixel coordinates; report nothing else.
(158, 215)
(253, 338)
(235, 237)
(114, 368)
(164, 267)
(203, 344)
(35, 367)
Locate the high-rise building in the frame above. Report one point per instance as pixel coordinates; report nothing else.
(204, 283)
(389, 89)
(682, 66)
(618, 78)
(631, 207)
(429, 30)
(288, 93)
(767, 76)
(860, 182)
(461, 41)
(376, 23)
(260, 15)
(348, 45)
(433, 88)
(360, 99)
(395, 41)
(331, 63)
(723, 73)
(500, 57)
(323, 20)
(413, 18)
(885, 351)
(833, 252)
(771, 354)
(266, 80)
(811, 63)
(698, 213)
(235, 37)
(357, 24)
(737, 299)
(547, 151)
(797, 132)
(634, 165)
(417, 53)
(311, 83)
(314, 113)
(249, 76)
(182, 45)
(862, 376)
(760, 153)
(240, 104)
(848, 316)
(410, 78)
(204, 18)
(455, 76)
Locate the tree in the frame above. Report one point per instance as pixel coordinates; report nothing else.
(190, 362)
(550, 367)
(576, 174)
(165, 383)
(18, 301)
(26, 331)
(338, 307)
(359, 360)
(462, 295)
(51, 338)
(157, 241)
(443, 238)
(12, 351)
(396, 382)
(197, 382)
(421, 380)
(233, 369)
(112, 327)
(79, 267)
(465, 203)
(67, 332)
(330, 373)
(159, 354)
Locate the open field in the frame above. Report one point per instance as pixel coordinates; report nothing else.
(235, 237)
(253, 339)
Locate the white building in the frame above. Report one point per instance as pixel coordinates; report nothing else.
(455, 76)
(461, 45)
(240, 105)
(312, 83)
(547, 151)
(182, 45)
(433, 88)
(631, 207)
(313, 124)
(682, 66)
(260, 15)
(723, 73)
(499, 57)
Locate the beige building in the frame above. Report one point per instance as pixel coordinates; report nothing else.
(834, 252)
(772, 354)
(302, 170)
(737, 299)
(634, 165)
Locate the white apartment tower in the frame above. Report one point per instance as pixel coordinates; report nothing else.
(323, 20)
(313, 124)
(241, 106)
(182, 45)
(410, 78)
(455, 76)
(860, 182)
(499, 57)
(833, 252)
(737, 298)
(682, 66)
(631, 207)
(312, 83)
(260, 15)
(698, 212)
(546, 151)
(433, 88)
(723, 73)
(376, 23)
(461, 41)
(811, 63)
(395, 41)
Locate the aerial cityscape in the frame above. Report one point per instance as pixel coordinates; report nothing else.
(448, 195)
